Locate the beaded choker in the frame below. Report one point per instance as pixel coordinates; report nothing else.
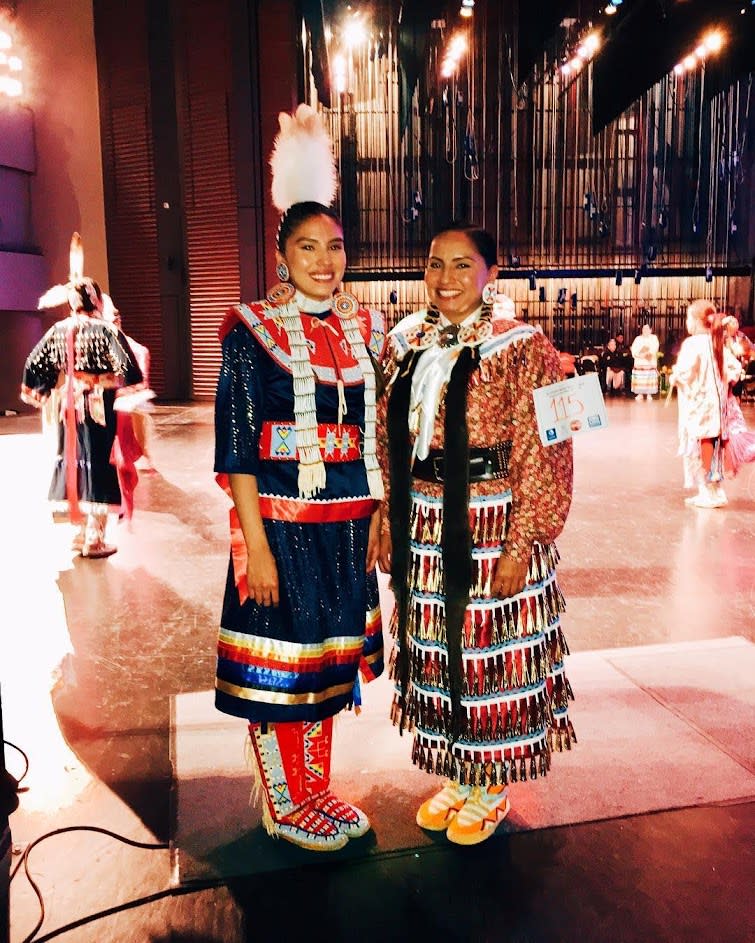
(430, 332)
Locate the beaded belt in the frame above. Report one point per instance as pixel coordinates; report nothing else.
(485, 464)
(338, 443)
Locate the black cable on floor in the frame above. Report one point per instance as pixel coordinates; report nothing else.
(35, 887)
(7, 743)
(128, 905)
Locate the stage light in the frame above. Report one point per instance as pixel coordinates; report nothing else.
(457, 46)
(562, 296)
(592, 43)
(10, 87)
(533, 281)
(574, 299)
(708, 273)
(619, 276)
(467, 3)
(466, 12)
(637, 276)
(689, 62)
(541, 293)
(610, 9)
(714, 41)
(678, 68)
(339, 73)
(354, 33)
(701, 51)
(566, 68)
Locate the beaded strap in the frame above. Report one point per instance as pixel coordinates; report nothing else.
(347, 314)
(311, 466)
(312, 475)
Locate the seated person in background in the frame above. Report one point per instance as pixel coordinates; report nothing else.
(626, 359)
(590, 360)
(612, 369)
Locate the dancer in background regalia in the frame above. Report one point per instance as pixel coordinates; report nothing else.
(79, 367)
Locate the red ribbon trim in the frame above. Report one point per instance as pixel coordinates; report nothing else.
(71, 450)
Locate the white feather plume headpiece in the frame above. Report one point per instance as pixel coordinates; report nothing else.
(69, 293)
(302, 161)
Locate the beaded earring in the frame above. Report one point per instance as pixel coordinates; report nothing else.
(472, 335)
(281, 270)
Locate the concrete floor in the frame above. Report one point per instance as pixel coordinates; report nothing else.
(92, 652)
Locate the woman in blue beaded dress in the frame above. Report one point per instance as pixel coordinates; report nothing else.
(295, 450)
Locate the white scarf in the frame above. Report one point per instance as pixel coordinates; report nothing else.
(428, 382)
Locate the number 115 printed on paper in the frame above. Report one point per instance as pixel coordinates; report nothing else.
(569, 407)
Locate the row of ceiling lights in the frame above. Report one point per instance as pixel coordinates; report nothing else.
(711, 44)
(586, 49)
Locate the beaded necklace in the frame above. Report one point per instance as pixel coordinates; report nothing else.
(312, 477)
(429, 333)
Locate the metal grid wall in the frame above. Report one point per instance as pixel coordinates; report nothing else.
(653, 187)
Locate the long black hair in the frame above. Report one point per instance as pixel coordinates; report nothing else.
(299, 213)
(86, 303)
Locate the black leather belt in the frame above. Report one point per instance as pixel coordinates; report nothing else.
(485, 464)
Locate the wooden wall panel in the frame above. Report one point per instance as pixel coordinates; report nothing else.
(210, 200)
(126, 134)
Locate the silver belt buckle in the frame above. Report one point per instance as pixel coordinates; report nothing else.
(477, 466)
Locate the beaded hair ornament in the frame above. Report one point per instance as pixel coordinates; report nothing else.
(303, 170)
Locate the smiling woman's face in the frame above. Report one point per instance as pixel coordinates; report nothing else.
(455, 275)
(315, 257)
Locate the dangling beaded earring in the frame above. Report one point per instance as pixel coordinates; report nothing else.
(284, 291)
(472, 335)
(488, 298)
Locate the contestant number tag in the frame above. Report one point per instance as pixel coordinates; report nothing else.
(569, 407)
